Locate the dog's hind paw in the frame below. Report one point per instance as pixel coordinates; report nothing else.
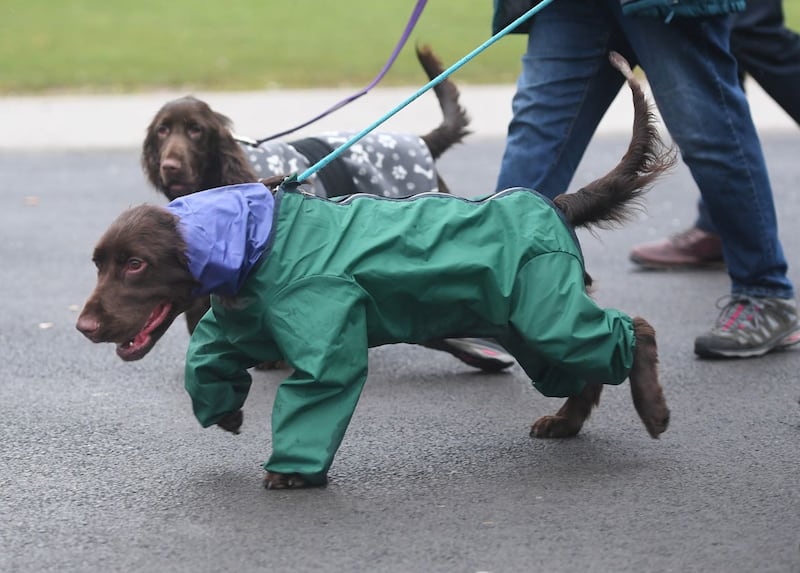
(274, 480)
(554, 427)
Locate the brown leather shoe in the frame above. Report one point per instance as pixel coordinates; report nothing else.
(690, 249)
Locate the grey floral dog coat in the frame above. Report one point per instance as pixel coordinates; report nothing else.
(386, 164)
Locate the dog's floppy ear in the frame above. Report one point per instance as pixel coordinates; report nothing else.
(233, 164)
(151, 154)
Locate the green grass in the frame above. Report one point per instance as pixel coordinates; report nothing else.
(791, 9)
(122, 45)
(130, 45)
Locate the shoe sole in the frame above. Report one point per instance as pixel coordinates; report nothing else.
(476, 353)
(787, 341)
(699, 266)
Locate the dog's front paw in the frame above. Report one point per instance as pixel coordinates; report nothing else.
(653, 411)
(554, 427)
(274, 480)
(231, 422)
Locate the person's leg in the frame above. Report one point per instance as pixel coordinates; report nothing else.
(707, 114)
(565, 87)
(770, 52)
(694, 81)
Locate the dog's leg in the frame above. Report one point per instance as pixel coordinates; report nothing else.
(648, 397)
(195, 312)
(568, 421)
(272, 365)
(275, 480)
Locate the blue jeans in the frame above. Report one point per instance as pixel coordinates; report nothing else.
(567, 84)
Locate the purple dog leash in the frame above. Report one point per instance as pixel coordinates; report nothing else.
(415, 14)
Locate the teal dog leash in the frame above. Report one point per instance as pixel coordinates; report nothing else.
(435, 81)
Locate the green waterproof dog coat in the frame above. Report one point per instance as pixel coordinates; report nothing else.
(338, 277)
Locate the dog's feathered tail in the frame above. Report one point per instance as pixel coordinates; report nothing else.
(454, 125)
(611, 199)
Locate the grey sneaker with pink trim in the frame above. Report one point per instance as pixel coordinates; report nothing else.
(750, 326)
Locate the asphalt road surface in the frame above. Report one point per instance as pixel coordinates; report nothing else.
(103, 467)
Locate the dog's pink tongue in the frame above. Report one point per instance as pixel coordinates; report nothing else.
(140, 340)
(156, 317)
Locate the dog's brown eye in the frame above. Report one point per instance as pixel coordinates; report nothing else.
(134, 264)
(162, 130)
(194, 131)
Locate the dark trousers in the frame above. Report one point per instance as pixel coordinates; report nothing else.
(769, 52)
